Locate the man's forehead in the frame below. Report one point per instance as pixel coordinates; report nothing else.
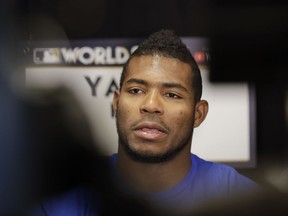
(168, 66)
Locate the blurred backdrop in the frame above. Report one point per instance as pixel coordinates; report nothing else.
(249, 36)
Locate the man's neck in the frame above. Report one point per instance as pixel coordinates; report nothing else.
(153, 177)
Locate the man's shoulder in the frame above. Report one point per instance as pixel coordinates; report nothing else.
(212, 167)
(222, 173)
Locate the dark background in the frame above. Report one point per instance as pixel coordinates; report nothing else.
(248, 44)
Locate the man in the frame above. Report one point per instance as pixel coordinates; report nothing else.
(157, 107)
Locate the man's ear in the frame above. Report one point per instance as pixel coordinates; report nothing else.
(115, 100)
(201, 110)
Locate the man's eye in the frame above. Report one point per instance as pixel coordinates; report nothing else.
(135, 91)
(172, 95)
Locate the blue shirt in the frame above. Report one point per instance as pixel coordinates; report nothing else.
(205, 182)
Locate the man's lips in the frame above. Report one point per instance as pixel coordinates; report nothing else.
(150, 130)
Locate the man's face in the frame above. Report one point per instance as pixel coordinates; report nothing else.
(155, 108)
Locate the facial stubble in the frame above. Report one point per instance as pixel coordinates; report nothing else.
(145, 157)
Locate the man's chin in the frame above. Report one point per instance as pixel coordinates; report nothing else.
(149, 157)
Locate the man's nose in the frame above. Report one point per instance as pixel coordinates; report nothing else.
(152, 103)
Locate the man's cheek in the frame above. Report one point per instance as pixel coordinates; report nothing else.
(179, 116)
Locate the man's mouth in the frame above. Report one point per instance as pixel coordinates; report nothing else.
(150, 131)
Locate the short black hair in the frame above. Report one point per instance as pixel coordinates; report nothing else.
(167, 44)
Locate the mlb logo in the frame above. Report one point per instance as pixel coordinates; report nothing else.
(47, 56)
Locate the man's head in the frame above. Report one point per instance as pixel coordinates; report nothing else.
(165, 43)
(158, 103)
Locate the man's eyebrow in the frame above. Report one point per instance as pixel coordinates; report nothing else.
(174, 85)
(139, 81)
(165, 85)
